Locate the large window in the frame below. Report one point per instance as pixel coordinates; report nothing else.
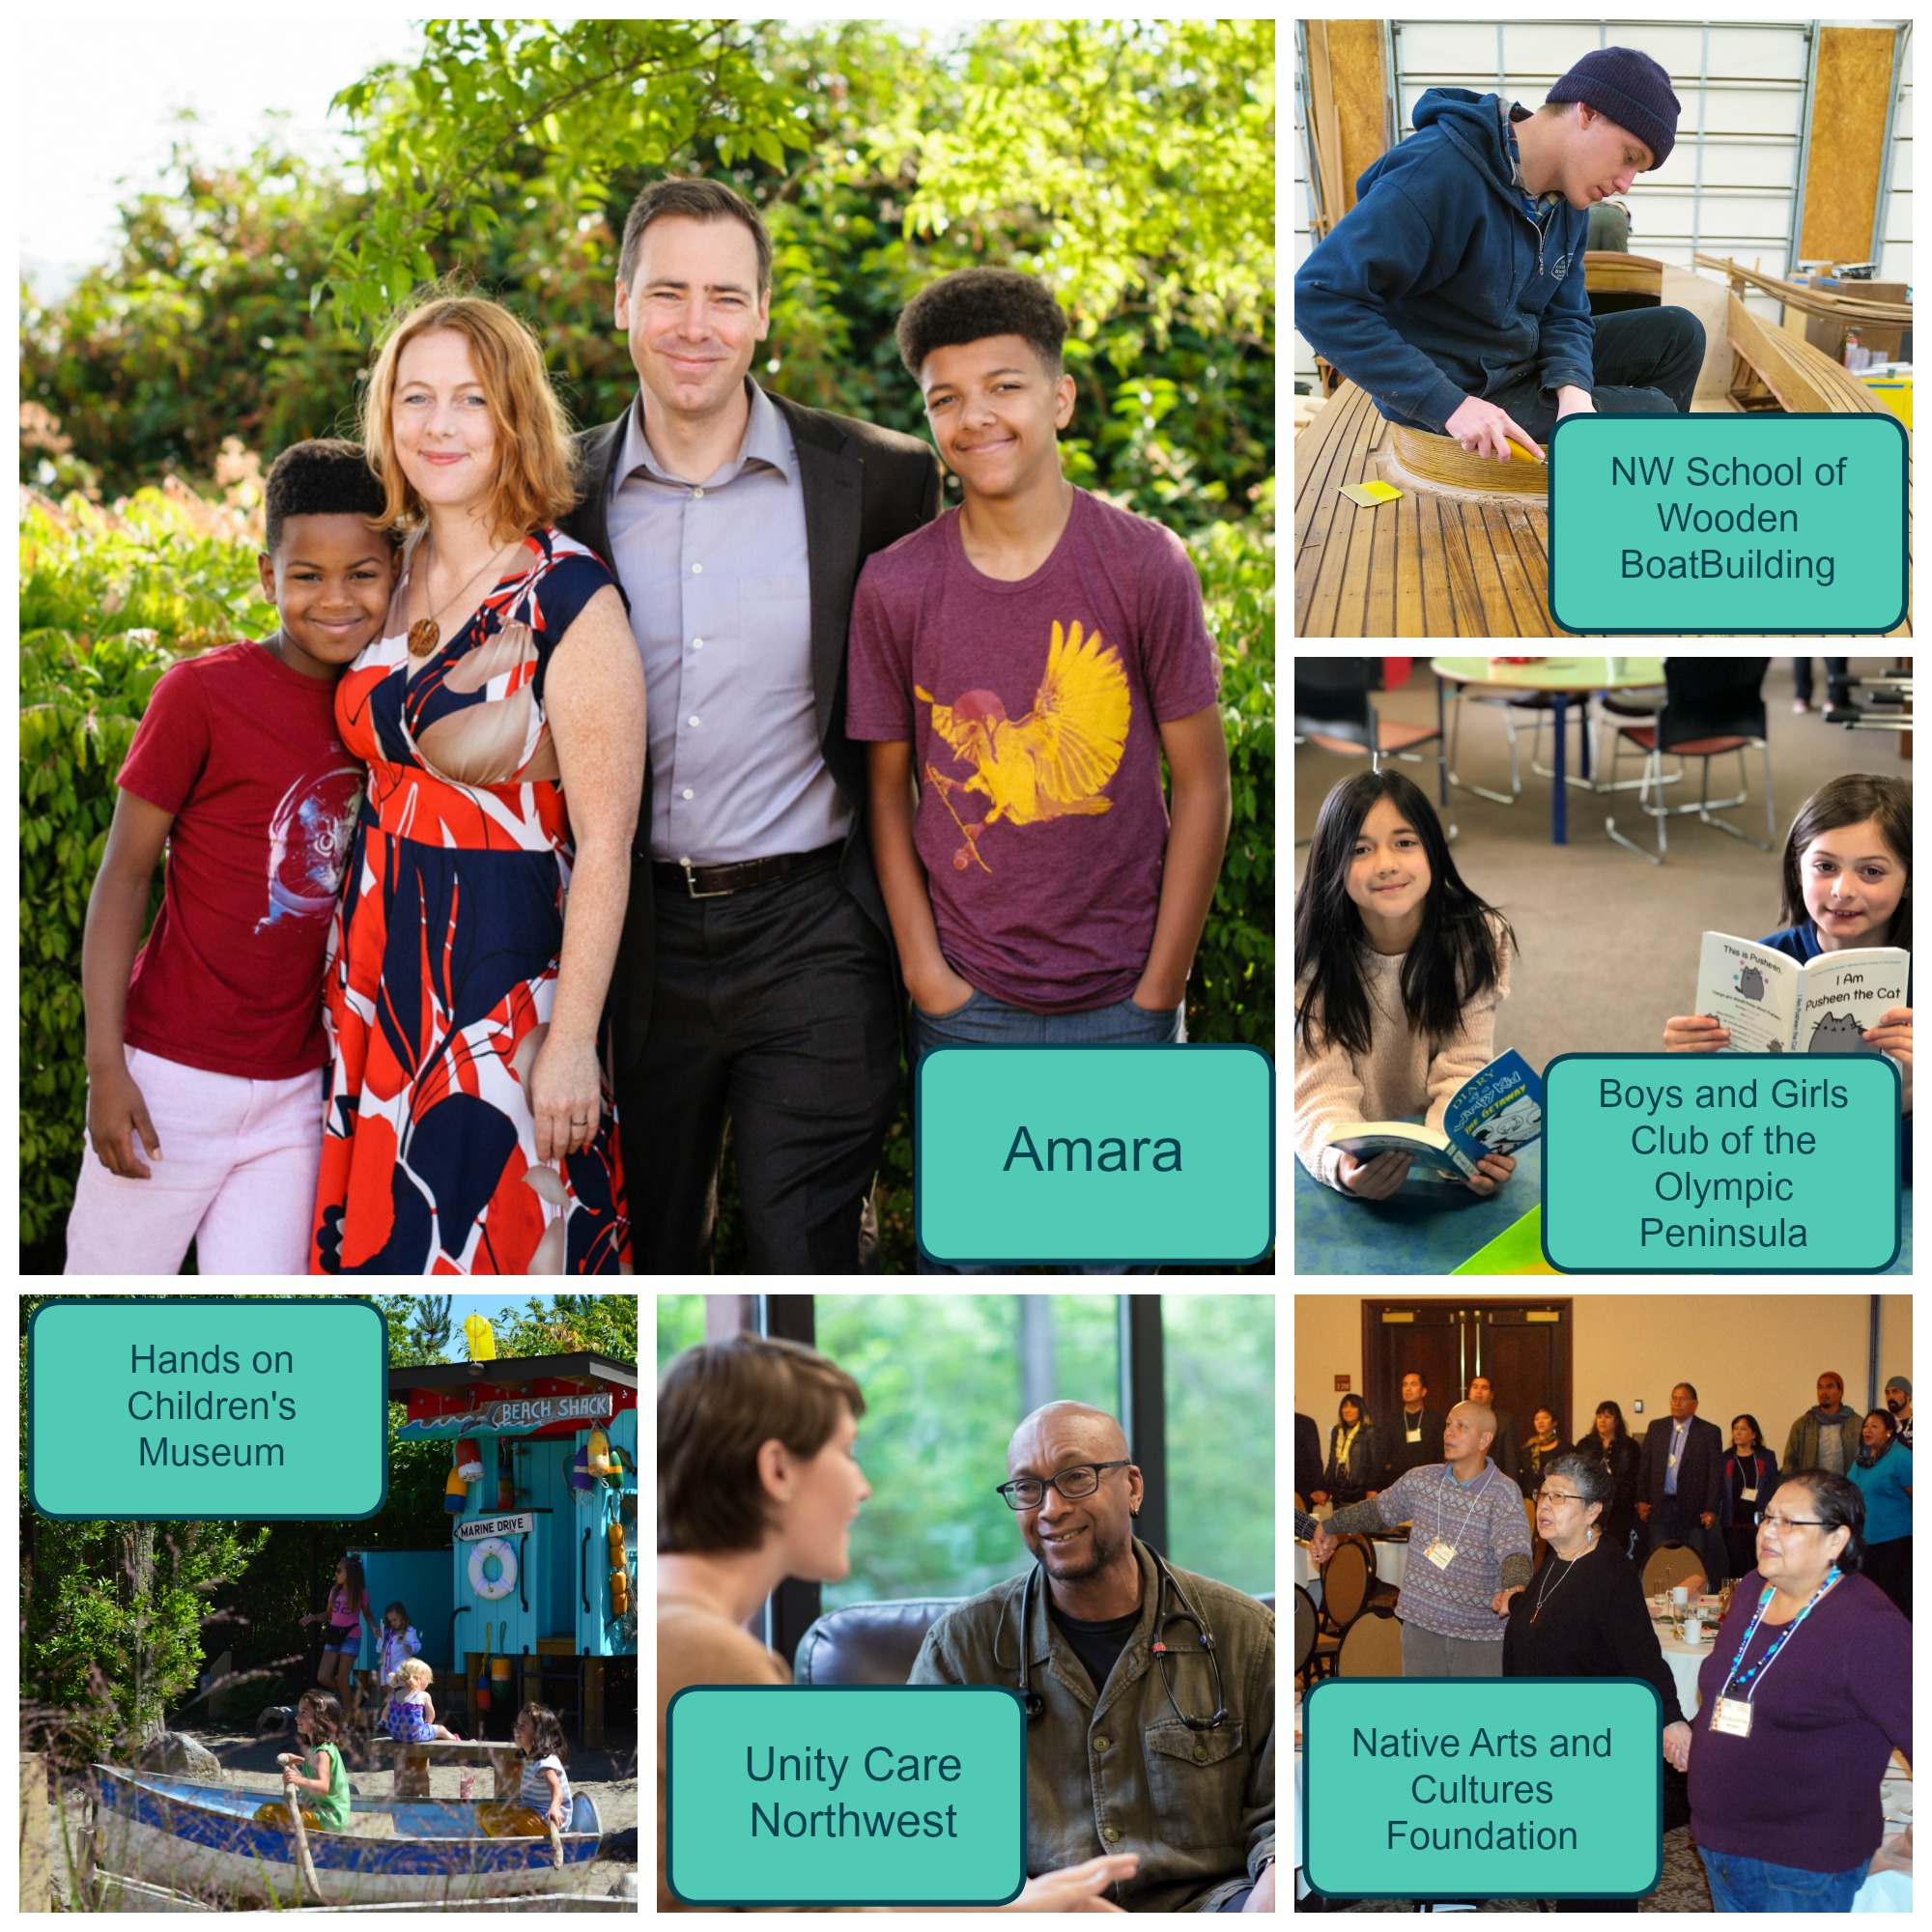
(948, 1378)
(1219, 1358)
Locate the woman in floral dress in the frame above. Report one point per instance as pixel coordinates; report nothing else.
(469, 1126)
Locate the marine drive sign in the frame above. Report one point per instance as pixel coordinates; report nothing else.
(494, 1525)
(539, 1411)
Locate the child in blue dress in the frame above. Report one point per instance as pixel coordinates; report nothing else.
(410, 1716)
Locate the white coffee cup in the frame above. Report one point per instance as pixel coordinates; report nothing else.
(1694, 1629)
(1680, 1596)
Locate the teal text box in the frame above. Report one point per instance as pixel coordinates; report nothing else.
(196, 1405)
(1754, 525)
(1512, 1787)
(845, 1795)
(1721, 1163)
(1093, 1153)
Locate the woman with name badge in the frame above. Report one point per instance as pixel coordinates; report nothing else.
(1750, 1475)
(1583, 1613)
(1801, 1702)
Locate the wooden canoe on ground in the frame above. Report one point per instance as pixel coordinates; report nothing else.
(202, 1839)
(1454, 562)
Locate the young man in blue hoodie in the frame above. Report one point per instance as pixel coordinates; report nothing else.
(1453, 290)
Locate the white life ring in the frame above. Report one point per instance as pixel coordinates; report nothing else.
(503, 1583)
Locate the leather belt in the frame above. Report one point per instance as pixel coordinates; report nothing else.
(720, 882)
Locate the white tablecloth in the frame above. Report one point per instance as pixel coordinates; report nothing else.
(1392, 1567)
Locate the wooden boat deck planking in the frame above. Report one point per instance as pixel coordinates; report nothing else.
(1443, 563)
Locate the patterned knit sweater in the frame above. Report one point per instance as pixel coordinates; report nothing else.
(1401, 1076)
(1485, 1522)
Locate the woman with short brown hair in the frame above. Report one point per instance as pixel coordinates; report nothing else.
(757, 1482)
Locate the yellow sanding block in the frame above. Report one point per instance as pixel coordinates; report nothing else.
(1370, 495)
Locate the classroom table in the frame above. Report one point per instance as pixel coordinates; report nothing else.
(1423, 1228)
(1563, 678)
(1450, 1231)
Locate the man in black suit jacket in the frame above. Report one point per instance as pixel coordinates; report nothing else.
(1680, 1482)
(756, 981)
(1414, 1435)
(1307, 1457)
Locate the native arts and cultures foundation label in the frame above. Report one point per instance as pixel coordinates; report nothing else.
(1438, 1787)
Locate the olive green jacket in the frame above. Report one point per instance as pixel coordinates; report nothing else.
(1121, 1773)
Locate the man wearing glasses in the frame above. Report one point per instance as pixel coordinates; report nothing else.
(1130, 1746)
(1468, 1550)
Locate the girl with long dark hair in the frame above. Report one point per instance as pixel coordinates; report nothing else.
(1399, 967)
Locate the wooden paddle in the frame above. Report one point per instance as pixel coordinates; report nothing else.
(555, 1840)
(305, 1865)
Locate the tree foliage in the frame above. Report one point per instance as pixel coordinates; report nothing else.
(119, 1620)
(245, 299)
(1129, 162)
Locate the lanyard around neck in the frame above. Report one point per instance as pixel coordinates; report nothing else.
(1755, 1676)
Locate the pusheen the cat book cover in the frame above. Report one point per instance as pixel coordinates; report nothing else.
(1496, 1111)
(1774, 1003)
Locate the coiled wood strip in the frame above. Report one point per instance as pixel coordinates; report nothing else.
(1420, 458)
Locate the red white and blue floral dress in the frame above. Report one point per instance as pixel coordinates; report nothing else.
(445, 954)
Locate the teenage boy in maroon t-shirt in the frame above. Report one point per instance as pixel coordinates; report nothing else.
(1026, 659)
(207, 1043)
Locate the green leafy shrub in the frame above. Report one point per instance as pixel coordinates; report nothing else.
(108, 600)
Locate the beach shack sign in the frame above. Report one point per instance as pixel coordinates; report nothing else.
(540, 1411)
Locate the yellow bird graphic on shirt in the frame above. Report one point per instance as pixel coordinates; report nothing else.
(1056, 760)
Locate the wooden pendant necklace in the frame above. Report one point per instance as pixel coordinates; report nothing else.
(424, 634)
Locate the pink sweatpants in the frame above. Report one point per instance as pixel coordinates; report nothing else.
(237, 1177)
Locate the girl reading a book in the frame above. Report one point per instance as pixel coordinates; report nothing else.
(1399, 967)
(1847, 882)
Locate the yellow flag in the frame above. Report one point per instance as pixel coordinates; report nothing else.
(481, 1337)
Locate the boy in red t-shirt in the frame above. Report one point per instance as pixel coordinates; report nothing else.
(1026, 659)
(208, 1042)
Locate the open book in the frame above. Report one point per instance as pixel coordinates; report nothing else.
(1496, 1111)
(1773, 1004)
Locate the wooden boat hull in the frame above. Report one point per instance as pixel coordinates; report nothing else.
(202, 1839)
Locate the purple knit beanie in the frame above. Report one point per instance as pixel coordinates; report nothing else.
(1632, 90)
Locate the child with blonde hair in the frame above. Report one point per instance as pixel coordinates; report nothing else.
(410, 1717)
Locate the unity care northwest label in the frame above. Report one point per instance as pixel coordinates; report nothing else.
(1437, 1787)
(185, 1406)
(846, 1795)
(1752, 525)
(1722, 1163)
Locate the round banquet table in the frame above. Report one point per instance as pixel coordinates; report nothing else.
(1563, 678)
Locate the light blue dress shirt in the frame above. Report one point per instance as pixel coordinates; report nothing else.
(720, 587)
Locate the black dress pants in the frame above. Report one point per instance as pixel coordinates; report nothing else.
(774, 1008)
(1646, 362)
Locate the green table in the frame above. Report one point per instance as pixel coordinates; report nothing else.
(1562, 678)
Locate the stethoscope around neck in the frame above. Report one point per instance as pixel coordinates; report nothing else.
(1035, 1702)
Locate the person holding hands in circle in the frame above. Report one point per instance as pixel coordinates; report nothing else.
(1468, 1550)
(1803, 1698)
